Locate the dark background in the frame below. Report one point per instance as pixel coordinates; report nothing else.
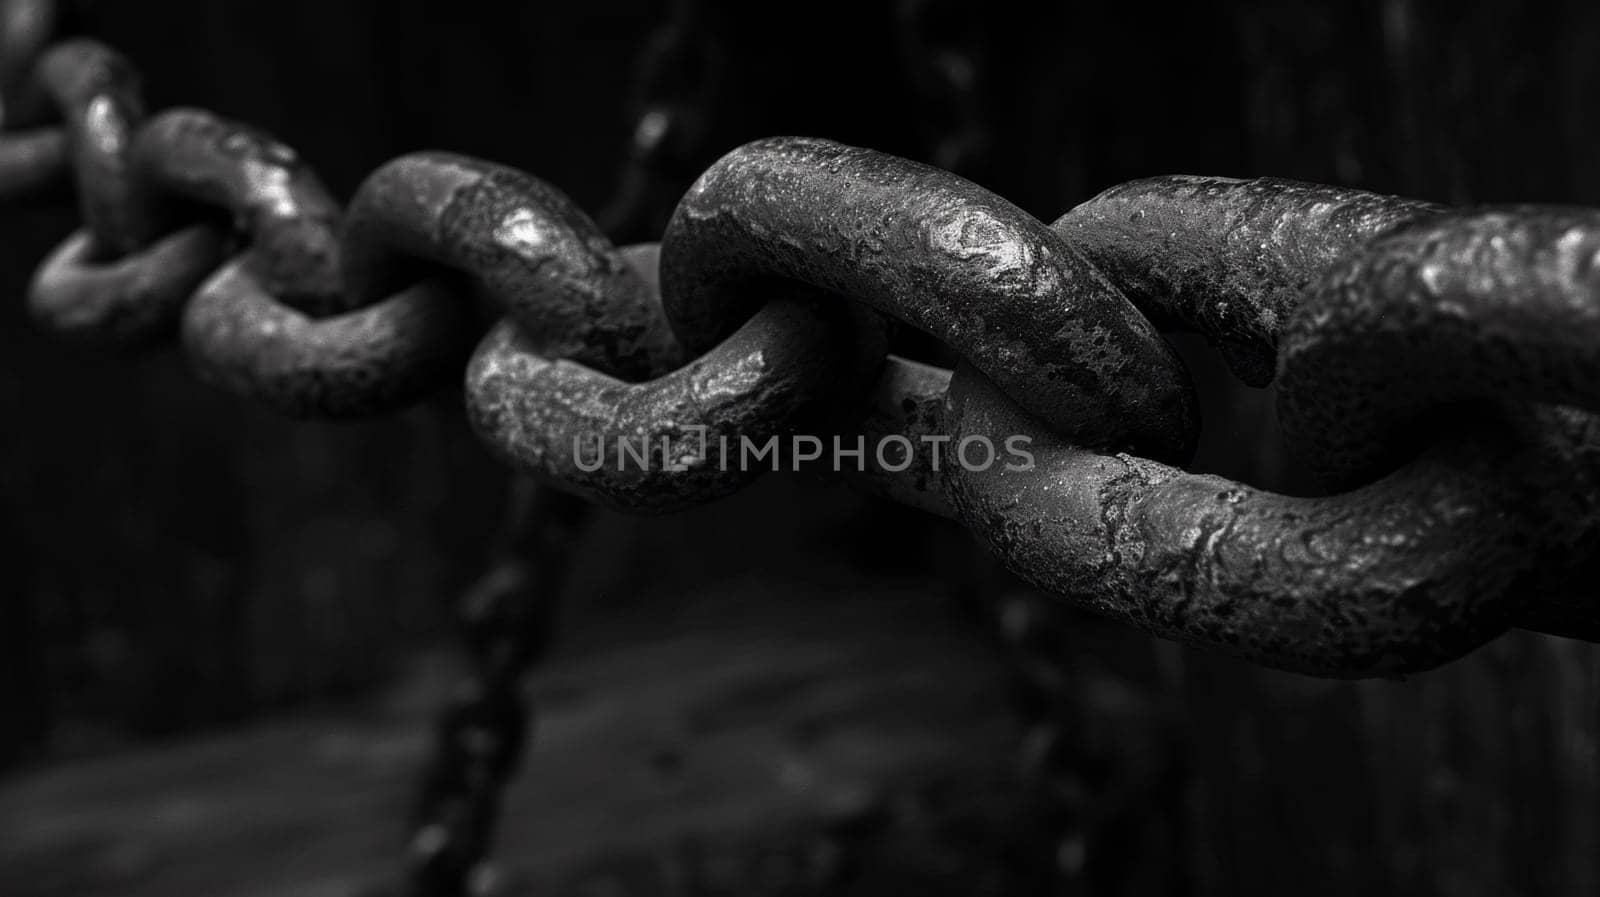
(183, 564)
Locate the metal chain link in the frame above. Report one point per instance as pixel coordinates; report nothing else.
(1387, 310)
(507, 613)
(1437, 367)
(942, 52)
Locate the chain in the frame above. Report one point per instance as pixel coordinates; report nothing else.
(1424, 355)
(674, 95)
(507, 614)
(506, 620)
(1436, 367)
(942, 51)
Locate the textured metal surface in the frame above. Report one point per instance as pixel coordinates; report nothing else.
(791, 364)
(275, 323)
(1410, 310)
(523, 245)
(906, 402)
(371, 361)
(272, 198)
(1406, 573)
(1498, 304)
(1395, 578)
(940, 253)
(1227, 258)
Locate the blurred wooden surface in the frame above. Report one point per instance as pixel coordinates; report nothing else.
(768, 733)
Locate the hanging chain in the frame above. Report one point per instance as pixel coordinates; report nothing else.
(506, 621)
(1437, 367)
(674, 95)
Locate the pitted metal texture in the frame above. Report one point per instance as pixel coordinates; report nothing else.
(1433, 321)
(273, 200)
(1227, 258)
(937, 252)
(1398, 577)
(524, 246)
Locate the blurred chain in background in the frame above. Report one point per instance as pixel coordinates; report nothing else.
(506, 620)
(672, 102)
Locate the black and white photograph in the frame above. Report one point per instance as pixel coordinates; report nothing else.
(890, 448)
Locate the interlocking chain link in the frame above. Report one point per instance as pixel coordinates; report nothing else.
(1394, 326)
(1437, 367)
